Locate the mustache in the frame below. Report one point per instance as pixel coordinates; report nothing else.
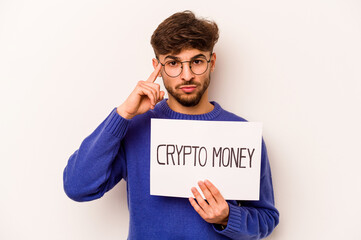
(188, 83)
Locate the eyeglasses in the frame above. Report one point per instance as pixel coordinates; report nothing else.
(198, 65)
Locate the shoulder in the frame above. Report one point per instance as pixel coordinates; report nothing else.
(225, 115)
(141, 120)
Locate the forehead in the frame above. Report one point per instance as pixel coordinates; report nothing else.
(185, 54)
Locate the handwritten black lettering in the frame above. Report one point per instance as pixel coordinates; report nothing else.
(250, 157)
(178, 153)
(195, 154)
(162, 145)
(199, 156)
(169, 153)
(223, 157)
(186, 153)
(216, 154)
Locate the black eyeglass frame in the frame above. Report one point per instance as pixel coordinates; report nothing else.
(190, 67)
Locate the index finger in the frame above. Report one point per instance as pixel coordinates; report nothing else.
(215, 192)
(207, 193)
(155, 73)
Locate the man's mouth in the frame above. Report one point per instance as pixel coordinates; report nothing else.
(188, 88)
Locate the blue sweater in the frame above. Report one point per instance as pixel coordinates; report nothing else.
(120, 149)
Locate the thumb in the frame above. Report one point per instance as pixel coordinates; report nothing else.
(161, 95)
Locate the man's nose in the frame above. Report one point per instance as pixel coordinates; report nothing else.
(187, 73)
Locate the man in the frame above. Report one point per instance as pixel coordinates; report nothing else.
(119, 148)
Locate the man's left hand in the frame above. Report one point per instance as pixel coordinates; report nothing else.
(215, 209)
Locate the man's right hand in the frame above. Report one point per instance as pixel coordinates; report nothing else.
(143, 98)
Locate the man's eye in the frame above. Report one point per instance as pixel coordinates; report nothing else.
(172, 63)
(198, 61)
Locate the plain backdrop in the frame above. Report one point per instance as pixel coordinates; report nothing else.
(293, 65)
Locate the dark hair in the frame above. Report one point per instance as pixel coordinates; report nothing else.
(183, 30)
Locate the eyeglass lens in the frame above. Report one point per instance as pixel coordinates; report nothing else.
(174, 68)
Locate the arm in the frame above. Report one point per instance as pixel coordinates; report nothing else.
(99, 164)
(245, 219)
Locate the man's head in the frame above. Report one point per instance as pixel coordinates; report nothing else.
(187, 42)
(183, 31)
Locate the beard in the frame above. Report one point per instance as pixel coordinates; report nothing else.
(189, 99)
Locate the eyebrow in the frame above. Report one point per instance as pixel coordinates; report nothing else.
(178, 59)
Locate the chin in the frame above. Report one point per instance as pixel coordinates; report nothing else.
(188, 101)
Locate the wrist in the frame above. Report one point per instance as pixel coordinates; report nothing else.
(224, 222)
(124, 113)
(220, 227)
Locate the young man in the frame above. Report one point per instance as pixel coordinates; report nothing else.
(119, 148)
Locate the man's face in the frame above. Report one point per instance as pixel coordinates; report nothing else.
(188, 88)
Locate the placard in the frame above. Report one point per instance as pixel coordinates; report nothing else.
(184, 152)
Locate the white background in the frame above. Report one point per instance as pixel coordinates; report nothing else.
(293, 65)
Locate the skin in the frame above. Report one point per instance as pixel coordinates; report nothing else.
(175, 84)
(147, 94)
(215, 209)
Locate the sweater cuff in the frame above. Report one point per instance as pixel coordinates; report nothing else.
(234, 221)
(116, 124)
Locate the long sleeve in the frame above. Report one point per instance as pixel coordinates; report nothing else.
(120, 149)
(99, 163)
(254, 219)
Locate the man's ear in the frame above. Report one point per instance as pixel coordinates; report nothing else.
(155, 63)
(213, 61)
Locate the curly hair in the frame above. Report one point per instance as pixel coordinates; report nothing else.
(182, 31)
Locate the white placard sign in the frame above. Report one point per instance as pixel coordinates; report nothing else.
(184, 152)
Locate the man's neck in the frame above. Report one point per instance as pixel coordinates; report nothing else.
(204, 106)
